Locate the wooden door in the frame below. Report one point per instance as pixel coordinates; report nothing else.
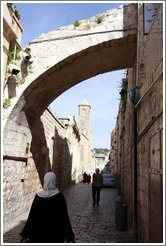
(156, 188)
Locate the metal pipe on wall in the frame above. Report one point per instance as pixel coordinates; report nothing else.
(135, 132)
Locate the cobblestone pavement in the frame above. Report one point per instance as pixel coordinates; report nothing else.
(90, 224)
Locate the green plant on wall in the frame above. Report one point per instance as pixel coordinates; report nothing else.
(13, 62)
(77, 23)
(20, 81)
(11, 55)
(99, 20)
(9, 5)
(124, 94)
(6, 103)
(17, 13)
(123, 129)
(122, 133)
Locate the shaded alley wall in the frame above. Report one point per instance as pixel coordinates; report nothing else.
(51, 146)
(138, 136)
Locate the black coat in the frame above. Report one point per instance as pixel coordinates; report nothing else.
(48, 221)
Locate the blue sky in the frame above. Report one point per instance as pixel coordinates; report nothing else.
(102, 91)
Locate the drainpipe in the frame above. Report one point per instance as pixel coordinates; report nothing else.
(15, 50)
(135, 174)
(137, 69)
(135, 133)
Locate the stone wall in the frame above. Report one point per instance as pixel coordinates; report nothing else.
(50, 145)
(122, 146)
(26, 162)
(60, 159)
(34, 144)
(149, 128)
(21, 181)
(141, 146)
(37, 144)
(111, 43)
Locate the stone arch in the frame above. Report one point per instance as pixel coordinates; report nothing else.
(69, 55)
(92, 52)
(55, 71)
(108, 56)
(88, 63)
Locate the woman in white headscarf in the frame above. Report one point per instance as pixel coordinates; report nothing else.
(48, 220)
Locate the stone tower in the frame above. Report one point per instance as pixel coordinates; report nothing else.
(86, 137)
(84, 118)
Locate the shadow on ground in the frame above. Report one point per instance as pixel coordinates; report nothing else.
(12, 235)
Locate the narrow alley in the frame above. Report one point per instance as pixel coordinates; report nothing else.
(90, 224)
(43, 131)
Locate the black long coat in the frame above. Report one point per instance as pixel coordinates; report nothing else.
(48, 221)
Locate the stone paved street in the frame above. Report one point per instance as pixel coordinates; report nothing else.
(90, 224)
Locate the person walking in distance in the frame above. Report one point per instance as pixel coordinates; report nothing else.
(48, 220)
(89, 179)
(97, 184)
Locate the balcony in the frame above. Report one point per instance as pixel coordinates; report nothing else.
(12, 29)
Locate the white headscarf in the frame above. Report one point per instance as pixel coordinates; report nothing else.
(49, 188)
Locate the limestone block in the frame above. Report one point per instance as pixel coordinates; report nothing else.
(84, 27)
(99, 37)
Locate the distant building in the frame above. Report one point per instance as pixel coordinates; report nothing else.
(99, 161)
(80, 139)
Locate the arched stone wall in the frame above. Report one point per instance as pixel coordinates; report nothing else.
(86, 50)
(39, 94)
(58, 64)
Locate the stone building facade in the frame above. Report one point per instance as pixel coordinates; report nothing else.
(33, 145)
(12, 34)
(51, 144)
(59, 149)
(139, 134)
(100, 160)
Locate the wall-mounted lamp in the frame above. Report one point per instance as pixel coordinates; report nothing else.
(14, 69)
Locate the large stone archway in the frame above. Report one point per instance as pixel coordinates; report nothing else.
(67, 56)
(62, 59)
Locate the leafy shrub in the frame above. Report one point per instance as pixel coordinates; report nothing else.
(6, 103)
(9, 5)
(99, 20)
(17, 12)
(11, 55)
(77, 23)
(20, 80)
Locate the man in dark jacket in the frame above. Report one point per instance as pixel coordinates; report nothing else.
(97, 184)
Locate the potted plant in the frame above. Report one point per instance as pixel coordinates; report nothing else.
(9, 5)
(17, 13)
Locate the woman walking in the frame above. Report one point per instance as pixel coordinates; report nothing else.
(48, 220)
